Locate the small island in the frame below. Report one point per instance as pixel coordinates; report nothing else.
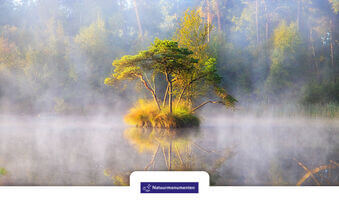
(179, 74)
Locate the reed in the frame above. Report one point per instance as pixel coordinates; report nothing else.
(146, 114)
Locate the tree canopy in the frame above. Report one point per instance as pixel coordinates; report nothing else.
(172, 63)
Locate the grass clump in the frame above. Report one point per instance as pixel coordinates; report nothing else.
(147, 114)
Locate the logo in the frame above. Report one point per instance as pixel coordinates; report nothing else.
(169, 187)
(147, 188)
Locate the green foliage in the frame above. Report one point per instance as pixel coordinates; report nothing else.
(163, 56)
(244, 24)
(321, 93)
(286, 41)
(286, 38)
(325, 110)
(146, 114)
(170, 59)
(94, 43)
(93, 39)
(193, 34)
(180, 71)
(227, 99)
(3, 171)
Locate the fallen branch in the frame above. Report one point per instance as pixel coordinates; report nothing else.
(309, 173)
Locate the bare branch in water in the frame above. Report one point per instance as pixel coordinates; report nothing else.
(308, 173)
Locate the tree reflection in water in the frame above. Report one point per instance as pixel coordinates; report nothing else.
(173, 150)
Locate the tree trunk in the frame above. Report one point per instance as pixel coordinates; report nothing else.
(298, 14)
(170, 89)
(266, 21)
(151, 90)
(165, 96)
(170, 96)
(314, 55)
(181, 94)
(218, 15)
(257, 19)
(332, 40)
(208, 20)
(266, 48)
(138, 18)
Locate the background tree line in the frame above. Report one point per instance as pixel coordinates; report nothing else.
(55, 54)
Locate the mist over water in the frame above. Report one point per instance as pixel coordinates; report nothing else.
(235, 150)
(61, 125)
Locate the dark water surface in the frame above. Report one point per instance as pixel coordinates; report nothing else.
(103, 151)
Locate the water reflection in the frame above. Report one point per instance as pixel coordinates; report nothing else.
(234, 151)
(173, 150)
(173, 147)
(268, 154)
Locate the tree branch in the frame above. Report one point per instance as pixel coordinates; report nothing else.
(204, 103)
(151, 90)
(148, 81)
(165, 96)
(190, 83)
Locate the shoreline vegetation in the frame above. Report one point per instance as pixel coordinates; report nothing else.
(146, 114)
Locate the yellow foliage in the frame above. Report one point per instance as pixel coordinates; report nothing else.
(286, 37)
(146, 114)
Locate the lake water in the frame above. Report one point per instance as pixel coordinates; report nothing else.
(103, 151)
